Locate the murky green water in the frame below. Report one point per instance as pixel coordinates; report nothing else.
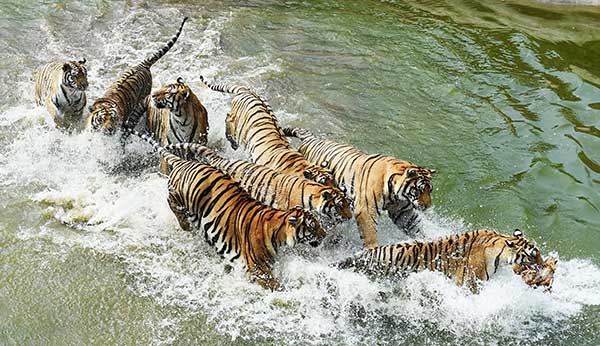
(502, 98)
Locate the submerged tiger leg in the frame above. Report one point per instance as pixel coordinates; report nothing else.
(407, 219)
(262, 275)
(178, 209)
(367, 225)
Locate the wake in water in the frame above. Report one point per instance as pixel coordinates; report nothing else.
(120, 210)
(124, 213)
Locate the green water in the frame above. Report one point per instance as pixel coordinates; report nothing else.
(501, 98)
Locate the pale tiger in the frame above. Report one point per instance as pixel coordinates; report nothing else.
(253, 124)
(374, 182)
(60, 86)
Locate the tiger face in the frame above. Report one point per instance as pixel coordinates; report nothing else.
(302, 227)
(172, 96)
(520, 251)
(332, 205)
(104, 117)
(413, 186)
(75, 75)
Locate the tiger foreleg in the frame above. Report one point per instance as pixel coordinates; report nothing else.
(263, 276)
(367, 227)
(179, 210)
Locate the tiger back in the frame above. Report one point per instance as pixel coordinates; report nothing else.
(123, 103)
(208, 201)
(468, 258)
(60, 86)
(174, 114)
(279, 190)
(374, 182)
(252, 123)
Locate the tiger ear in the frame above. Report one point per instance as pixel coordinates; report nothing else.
(518, 233)
(82, 61)
(326, 195)
(411, 173)
(66, 67)
(432, 171)
(308, 174)
(180, 80)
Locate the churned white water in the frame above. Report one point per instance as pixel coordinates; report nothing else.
(114, 202)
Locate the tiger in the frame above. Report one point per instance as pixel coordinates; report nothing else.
(174, 114)
(252, 123)
(468, 258)
(373, 182)
(208, 201)
(278, 190)
(61, 86)
(122, 104)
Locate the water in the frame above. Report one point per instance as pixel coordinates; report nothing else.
(501, 98)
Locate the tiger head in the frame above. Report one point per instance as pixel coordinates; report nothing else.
(75, 75)
(412, 186)
(103, 117)
(321, 174)
(519, 250)
(302, 227)
(172, 96)
(331, 205)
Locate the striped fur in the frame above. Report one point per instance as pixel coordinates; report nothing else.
(175, 115)
(374, 182)
(60, 86)
(253, 124)
(123, 103)
(467, 258)
(208, 201)
(279, 190)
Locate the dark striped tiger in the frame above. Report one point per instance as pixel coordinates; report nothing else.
(60, 86)
(174, 114)
(279, 190)
(467, 258)
(253, 124)
(123, 103)
(374, 182)
(208, 201)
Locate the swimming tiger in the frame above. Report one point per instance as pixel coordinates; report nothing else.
(123, 103)
(374, 182)
(279, 190)
(467, 258)
(208, 201)
(60, 86)
(252, 123)
(175, 115)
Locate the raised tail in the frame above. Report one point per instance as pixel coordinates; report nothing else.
(224, 88)
(169, 157)
(154, 58)
(298, 132)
